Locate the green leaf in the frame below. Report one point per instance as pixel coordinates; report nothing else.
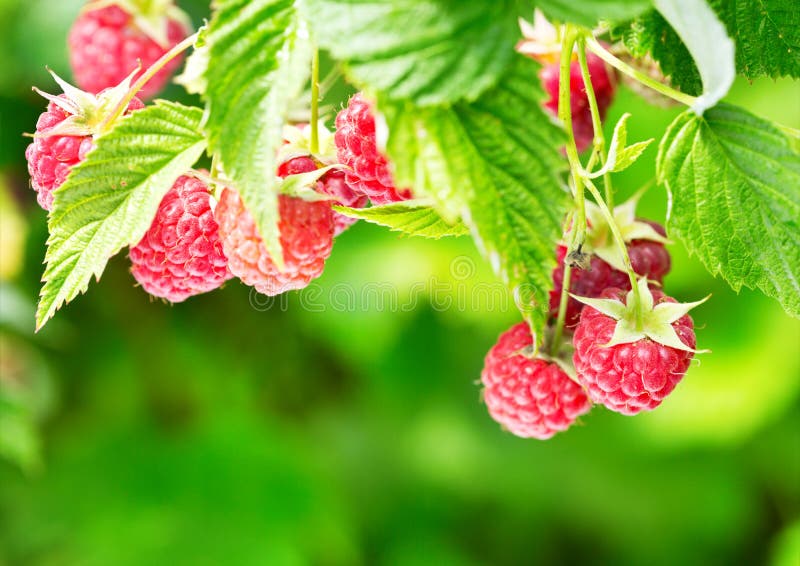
(259, 57)
(429, 51)
(767, 35)
(650, 34)
(410, 217)
(734, 181)
(709, 45)
(495, 163)
(590, 12)
(110, 199)
(620, 155)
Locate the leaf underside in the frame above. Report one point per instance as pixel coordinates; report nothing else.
(408, 217)
(499, 173)
(427, 51)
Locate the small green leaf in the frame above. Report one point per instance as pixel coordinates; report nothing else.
(707, 41)
(500, 173)
(259, 56)
(110, 199)
(410, 217)
(734, 181)
(429, 51)
(620, 156)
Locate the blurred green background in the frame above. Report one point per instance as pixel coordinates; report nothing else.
(223, 431)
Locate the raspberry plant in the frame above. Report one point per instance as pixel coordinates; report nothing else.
(468, 122)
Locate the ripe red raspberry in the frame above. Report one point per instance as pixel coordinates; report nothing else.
(64, 135)
(181, 255)
(627, 370)
(531, 397)
(649, 259)
(332, 184)
(356, 147)
(107, 43)
(306, 230)
(604, 87)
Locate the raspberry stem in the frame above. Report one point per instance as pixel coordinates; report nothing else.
(596, 48)
(146, 76)
(314, 142)
(565, 115)
(578, 230)
(599, 141)
(609, 216)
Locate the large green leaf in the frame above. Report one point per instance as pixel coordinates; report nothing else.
(258, 61)
(734, 181)
(431, 51)
(409, 217)
(650, 34)
(110, 199)
(708, 43)
(766, 34)
(495, 163)
(589, 12)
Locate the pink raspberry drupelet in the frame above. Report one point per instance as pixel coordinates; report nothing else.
(181, 254)
(106, 45)
(531, 397)
(51, 157)
(306, 230)
(356, 147)
(649, 259)
(332, 184)
(631, 377)
(604, 86)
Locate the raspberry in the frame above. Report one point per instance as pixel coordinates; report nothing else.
(332, 184)
(65, 134)
(357, 147)
(648, 258)
(604, 88)
(629, 370)
(306, 236)
(181, 255)
(107, 43)
(531, 397)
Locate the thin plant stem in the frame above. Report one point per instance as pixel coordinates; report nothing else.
(596, 48)
(147, 75)
(315, 102)
(599, 141)
(578, 229)
(620, 241)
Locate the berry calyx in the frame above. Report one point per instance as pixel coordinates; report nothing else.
(530, 396)
(357, 147)
(295, 158)
(644, 241)
(306, 237)
(629, 356)
(181, 255)
(112, 38)
(65, 133)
